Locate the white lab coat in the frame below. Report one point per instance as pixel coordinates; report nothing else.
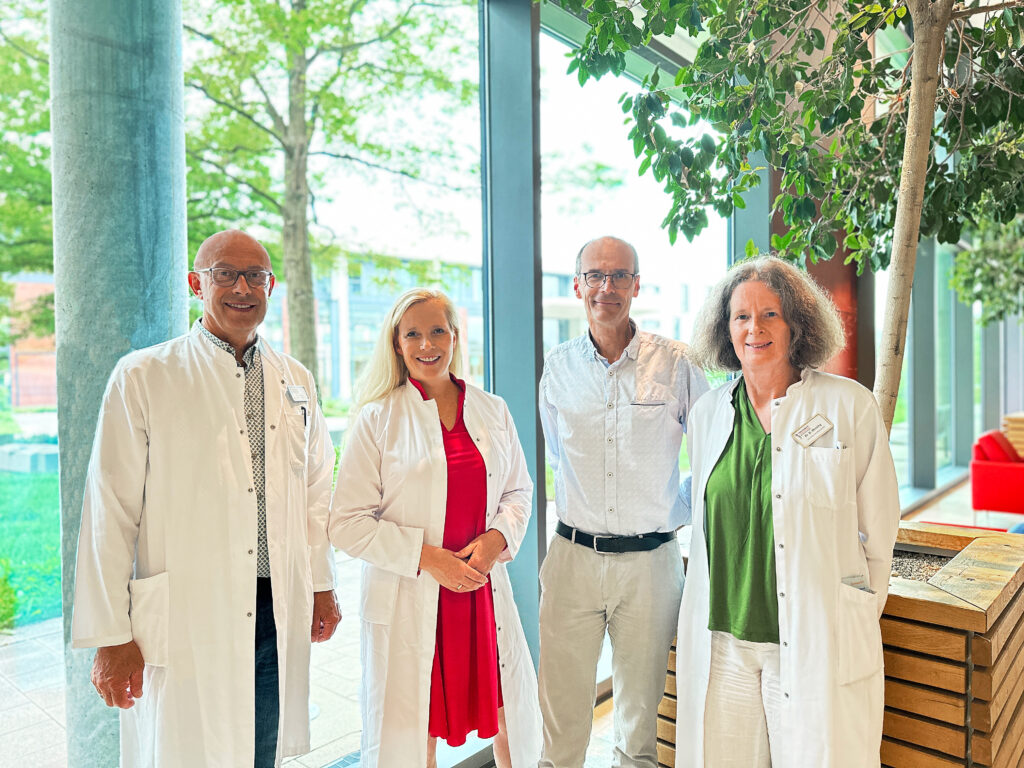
(835, 511)
(389, 500)
(166, 553)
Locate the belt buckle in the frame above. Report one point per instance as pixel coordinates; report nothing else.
(593, 544)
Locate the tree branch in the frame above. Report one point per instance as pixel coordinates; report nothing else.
(24, 51)
(237, 179)
(393, 171)
(962, 13)
(238, 110)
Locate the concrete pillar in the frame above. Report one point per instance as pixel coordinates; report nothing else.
(119, 251)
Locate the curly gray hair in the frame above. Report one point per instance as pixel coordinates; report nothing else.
(817, 331)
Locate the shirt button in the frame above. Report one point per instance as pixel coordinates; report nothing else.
(250, 551)
(238, 376)
(241, 431)
(609, 440)
(610, 406)
(611, 373)
(786, 695)
(609, 474)
(250, 490)
(273, 426)
(611, 509)
(249, 614)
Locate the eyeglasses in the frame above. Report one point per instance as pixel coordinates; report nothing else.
(256, 278)
(617, 279)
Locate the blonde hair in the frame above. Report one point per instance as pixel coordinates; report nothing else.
(386, 370)
(817, 330)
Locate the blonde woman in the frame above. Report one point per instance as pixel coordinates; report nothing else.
(433, 494)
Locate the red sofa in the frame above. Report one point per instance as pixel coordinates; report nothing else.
(997, 475)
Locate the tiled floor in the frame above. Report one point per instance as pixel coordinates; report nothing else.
(32, 674)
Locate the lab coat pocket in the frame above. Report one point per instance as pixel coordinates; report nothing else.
(826, 474)
(297, 428)
(858, 635)
(379, 592)
(148, 613)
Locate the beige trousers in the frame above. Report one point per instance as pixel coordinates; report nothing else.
(743, 709)
(634, 597)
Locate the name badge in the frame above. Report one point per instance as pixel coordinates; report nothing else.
(812, 430)
(297, 394)
(858, 582)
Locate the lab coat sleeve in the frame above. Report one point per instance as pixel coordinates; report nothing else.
(111, 514)
(319, 472)
(548, 423)
(356, 524)
(515, 505)
(878, 499)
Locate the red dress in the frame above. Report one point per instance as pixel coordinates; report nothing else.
(465, 688)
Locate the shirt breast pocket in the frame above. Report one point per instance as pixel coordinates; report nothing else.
(650, 411)
(297, 429)
(826, 474)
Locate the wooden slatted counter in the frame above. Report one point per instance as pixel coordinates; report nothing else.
(954, 657)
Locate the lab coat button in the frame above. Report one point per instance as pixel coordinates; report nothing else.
(778, 495)
(250, 490)
(782, 546)
(273, 426)
(786, 695)
(250, 551)
(782, 594)
(238, 375)
(249, 614)
(778, 449)
(785, 644)
(241, 431)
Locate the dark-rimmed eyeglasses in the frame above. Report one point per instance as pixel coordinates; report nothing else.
(617, 279)
(256, 278)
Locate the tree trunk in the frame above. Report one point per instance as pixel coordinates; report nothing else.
(294, 235)
(930, 21)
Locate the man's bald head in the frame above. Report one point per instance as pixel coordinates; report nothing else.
(607, 242)
(232, 245)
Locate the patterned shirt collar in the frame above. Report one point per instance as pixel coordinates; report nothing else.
(631, 350)
(247, 356)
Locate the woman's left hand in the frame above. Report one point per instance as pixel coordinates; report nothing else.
(483, 551)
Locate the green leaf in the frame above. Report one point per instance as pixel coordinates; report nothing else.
(750, 250)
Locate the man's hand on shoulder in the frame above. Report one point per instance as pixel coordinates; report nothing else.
(117, 674)
(326, 616)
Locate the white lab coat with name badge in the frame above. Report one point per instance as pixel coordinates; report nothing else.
(390, 498)
(835, 512)
(167, 548)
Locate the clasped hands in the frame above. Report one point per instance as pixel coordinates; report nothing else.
(467, 569)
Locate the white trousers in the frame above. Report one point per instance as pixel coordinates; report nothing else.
(634, 596)
(743, 709)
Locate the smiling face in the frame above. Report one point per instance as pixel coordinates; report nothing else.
(426, 342)
(232, 313)
(606, 306)
(760, 335)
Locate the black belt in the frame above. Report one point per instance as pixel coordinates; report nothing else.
(643, 542)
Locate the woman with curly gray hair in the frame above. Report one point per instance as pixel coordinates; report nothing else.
(795, 510)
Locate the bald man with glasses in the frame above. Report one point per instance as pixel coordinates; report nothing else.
(613, 405)
(204, 568)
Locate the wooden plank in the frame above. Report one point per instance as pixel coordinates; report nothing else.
(987, 573)
(981, 684)
(929, 702)
(1008, 682)
(943, 738)
(925, 670)
(987, 647)
(922, 601)
(672, 661)
(1007, 728)
(666, 755)
(666, 730)
(1011, 754)
(895, 754)
(670, 684)
(924, 638)
(667, 707)
(948, 537)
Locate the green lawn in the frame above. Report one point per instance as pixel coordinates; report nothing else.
(30, 546)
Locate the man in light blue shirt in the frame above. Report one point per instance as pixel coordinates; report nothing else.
(613, 405)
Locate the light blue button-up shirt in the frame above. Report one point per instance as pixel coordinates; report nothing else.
(613, 433)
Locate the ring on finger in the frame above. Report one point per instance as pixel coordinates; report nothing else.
(458, 586)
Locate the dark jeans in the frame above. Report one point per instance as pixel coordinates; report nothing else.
(267, 710)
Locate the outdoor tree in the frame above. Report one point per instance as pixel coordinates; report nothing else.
(25, 221)
(298, 94)
(883, 122)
